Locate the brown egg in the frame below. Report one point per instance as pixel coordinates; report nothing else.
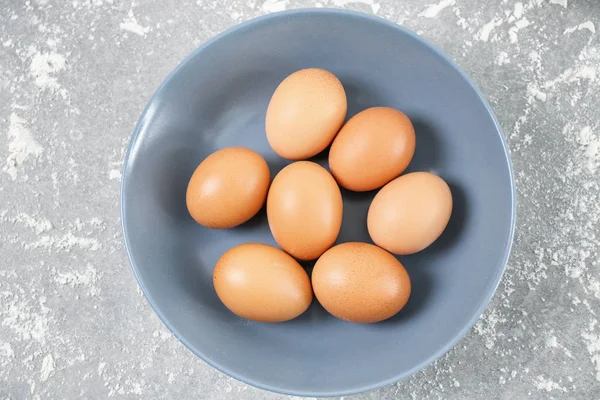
(305, 113)
(410, 213)
(262, 283)
(228, 188)
(359, 282)
(372, 148)
(304, 209)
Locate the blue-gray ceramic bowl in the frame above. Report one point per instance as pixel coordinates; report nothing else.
(217, 97)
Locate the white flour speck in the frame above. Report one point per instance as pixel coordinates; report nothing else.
(592, 342)
(114, 174)
(47, 369)
(19, 317)
(486, 30)
(502, 58)
(546, 384)
(559, 2)
(6, 353)
(586, 72)
(512, 35)
(551, 341)
(583, 70)
(17, 106)
(513, 32)
(39, 225)
(270, 6)
(433, 10)
(518, 12)
(96, 222)
(590, 144)
(374, 6)
(589, 25)
(535, 93)
(21, 145)
(162, 334)
(44, 66)
(486, 327)
(75, 278)
(594, 286)
(131, 24)
(136, 388)
(522, 23)
(66, 243)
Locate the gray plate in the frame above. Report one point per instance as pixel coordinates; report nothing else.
(217, 97)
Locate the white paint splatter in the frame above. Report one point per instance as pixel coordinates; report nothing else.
(433, 10)
(47, 369)
(21, 145)
(559, 2)
(546, 384)
(44, 66)
(374, 5)
(486, 30)
(131, 24)
(589, 25)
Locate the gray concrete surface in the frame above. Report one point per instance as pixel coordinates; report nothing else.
(74, 77)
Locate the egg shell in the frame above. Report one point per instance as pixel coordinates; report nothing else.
(410, 213)
(305, 113)
(228, 188)
(372, 148)
(304, 210)
(359, 282)
(262, 283)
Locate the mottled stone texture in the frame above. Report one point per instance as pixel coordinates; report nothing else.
(75, 76)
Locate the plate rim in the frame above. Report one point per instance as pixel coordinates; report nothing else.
(354, 390)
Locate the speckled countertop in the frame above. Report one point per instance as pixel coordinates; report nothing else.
(74, 77)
